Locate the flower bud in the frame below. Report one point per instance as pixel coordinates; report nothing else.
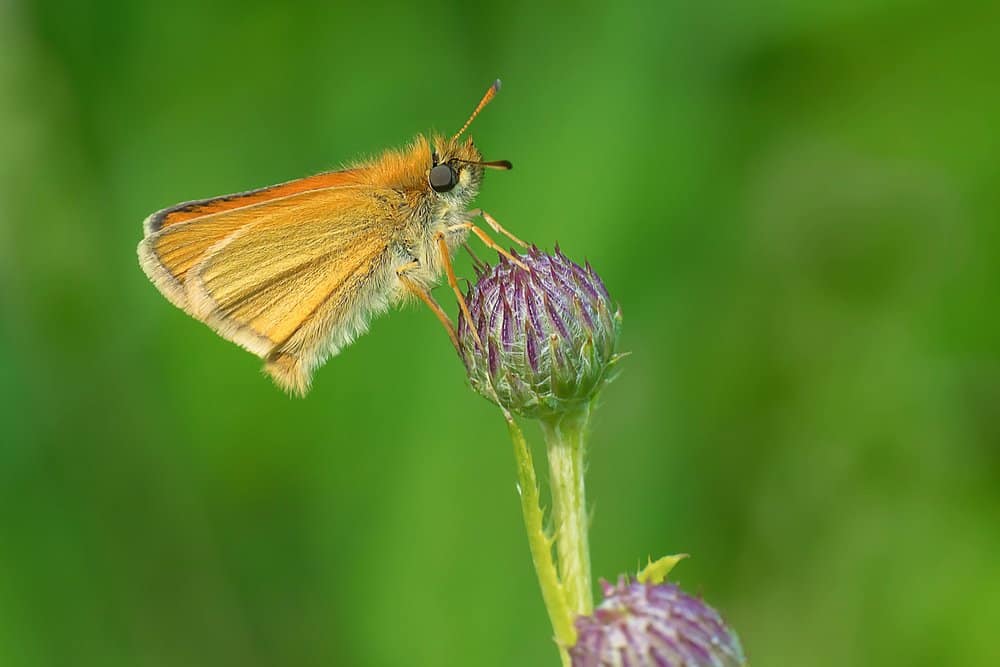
(548, 334)
(640, 625)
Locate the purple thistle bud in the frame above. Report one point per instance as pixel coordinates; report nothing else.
(549, 334)
(640, 625)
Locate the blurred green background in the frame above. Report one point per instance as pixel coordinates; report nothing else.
(795, 203)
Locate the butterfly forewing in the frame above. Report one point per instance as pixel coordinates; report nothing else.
(281, 277)
(193, 210)
(276, 272)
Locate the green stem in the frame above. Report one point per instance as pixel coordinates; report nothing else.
(540, 544)
(565, 437)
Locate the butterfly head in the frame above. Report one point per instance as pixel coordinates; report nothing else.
(457, 166)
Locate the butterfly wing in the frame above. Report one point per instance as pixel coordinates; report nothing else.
(292, 278)
(166, 258)
(200, 208)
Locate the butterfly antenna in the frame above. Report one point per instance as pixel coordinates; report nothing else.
(494, 164)
(490, 94)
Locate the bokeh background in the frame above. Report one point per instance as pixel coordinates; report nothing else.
(795, 203)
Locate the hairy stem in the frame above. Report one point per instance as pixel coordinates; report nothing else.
(540, 544)
(565, 437)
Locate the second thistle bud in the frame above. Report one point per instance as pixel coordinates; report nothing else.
(546, 334)
(645, 625)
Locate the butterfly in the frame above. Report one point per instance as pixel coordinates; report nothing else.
(294, 272)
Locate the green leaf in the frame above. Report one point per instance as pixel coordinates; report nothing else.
(656, 571)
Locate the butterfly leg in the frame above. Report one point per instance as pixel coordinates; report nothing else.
(421, 293)
(478, 263)
(496, 226)
(453, 281)
(490, 243)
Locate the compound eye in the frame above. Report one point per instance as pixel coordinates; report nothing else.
(443, 178)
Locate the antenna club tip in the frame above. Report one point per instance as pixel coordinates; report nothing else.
(482, 103)
(496, 86)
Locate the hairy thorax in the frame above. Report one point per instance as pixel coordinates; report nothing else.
(430, 215)
(432, 218)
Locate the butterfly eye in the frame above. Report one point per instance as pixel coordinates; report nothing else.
(443, 178)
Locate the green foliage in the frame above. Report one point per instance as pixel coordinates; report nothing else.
(795, 204)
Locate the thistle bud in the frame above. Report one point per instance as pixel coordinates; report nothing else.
(640, 625)
(547, 332)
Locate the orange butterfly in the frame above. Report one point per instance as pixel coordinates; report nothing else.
(293, 272)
